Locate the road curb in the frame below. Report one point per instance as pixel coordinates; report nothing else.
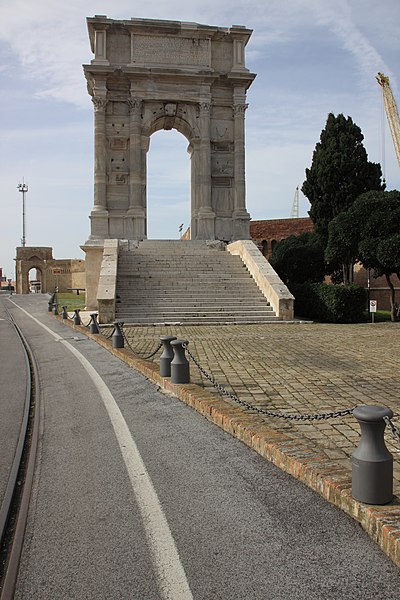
(324, 476)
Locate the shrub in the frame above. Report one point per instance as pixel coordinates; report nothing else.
(330, 303)
(299, 259)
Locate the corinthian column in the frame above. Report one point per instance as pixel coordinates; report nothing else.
(100, 157)
(205, 157)
(241, 218)
(99, 213)
(205, 214)
(136, 218)
(135, 153)
(240, 176)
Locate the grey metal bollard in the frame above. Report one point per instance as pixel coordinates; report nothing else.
(77, 318)
(51, 302)
(372, 463)
(55, 308)
(93, 326)
(117, 338)
(167, 355)
(180, 372)
(64, 312)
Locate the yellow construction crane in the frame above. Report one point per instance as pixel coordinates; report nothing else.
(392, 112)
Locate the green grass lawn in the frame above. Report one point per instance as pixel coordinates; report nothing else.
(380, 316)
(71, 300)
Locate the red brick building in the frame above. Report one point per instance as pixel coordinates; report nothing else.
(267, 233)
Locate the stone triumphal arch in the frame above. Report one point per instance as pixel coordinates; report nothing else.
(148, 75)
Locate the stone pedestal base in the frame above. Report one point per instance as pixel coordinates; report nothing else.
(99, 225)
(241, 225)
(205, 225)
(135, 224)
(94, 255)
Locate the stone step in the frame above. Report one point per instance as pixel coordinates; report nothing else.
(193, 309)
(169, 314)
(171, 283)
(181, 269)
(190, 282)
(199, 321)
(177, 289)
(194, 289)
(176, 249)
(175, 293)
(187, 276)
(181, 265)
(193, 301)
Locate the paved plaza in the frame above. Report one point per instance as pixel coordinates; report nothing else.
(299, 367)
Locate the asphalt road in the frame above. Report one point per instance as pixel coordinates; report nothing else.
(138, 496)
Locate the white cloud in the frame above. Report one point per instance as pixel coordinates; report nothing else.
(339, 18)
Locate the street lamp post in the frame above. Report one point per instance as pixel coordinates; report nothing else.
(22, 187)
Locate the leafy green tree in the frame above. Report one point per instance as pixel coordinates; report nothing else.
(339, 173)
(342, 247)
(299, 259)
(369, 231)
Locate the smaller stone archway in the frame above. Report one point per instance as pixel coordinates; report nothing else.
(29, 258)
(65, 274)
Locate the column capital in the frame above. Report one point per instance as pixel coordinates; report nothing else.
(135, 104)
(100, 103)
(240, 108)
(205, 107)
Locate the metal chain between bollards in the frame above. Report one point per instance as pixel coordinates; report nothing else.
(140, 354)
(262, 411)
(109, 333)
(394, 430)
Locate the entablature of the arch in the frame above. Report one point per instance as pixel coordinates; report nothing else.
(155, 44)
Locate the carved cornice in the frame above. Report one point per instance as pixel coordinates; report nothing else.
(100, 103)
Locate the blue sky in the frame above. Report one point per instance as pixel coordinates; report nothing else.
(311, 57)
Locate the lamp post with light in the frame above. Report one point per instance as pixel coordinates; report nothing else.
(22, 187)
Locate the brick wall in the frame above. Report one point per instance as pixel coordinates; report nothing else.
(266, 233)
(379, 289)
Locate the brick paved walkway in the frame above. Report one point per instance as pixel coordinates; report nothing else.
(303, 368)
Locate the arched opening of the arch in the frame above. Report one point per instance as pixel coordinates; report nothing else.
(168, 185)
(34, 280)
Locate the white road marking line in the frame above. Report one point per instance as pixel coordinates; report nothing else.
(172, 579)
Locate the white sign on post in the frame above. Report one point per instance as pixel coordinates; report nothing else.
(372, 309)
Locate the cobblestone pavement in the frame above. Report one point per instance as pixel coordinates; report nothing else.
(298, 367)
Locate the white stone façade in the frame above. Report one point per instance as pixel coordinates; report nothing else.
(148, 75)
